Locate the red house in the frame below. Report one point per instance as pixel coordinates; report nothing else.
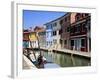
(80, 38)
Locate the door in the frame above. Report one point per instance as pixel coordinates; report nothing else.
(77, 44)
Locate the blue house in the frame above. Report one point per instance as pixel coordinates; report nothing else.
(49, 39)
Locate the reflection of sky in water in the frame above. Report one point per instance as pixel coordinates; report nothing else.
(65, 60)
(51, 65)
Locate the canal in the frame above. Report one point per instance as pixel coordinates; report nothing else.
(65, 60)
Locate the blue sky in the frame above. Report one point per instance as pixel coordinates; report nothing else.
(33, 18)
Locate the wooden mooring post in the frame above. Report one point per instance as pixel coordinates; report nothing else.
(72, 58)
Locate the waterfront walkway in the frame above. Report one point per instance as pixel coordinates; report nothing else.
(27, 64)
(67, 51)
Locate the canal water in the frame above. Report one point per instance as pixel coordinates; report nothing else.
(65, 60)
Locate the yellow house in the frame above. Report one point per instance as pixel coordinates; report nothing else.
(32, 36)
(33, 40)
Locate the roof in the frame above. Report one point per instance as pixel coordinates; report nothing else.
(39, 29)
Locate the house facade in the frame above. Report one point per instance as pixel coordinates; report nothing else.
(70, 31)
(53, 31)
(32, 37)
(49, 39)
(29, 39)
(65, 31)
(41, 34)
(80, 37)
(56, 27)
(25, 38)
(33, 43)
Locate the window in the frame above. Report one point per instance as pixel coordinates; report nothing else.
(65, 42)
(72, 42)
(82, 15)
(60, 31)
(68, 29)
(79, 28)
(51, 42)
(84, 27)
(49, 26)
(65, 18)
(86, 14)
(83, 42)
(54, 33)
(60, 41)
(54, 41)
(72, 30)
(54, 24)
(61, 21)
(78, 16)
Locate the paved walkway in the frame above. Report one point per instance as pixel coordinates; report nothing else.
(67, 51)
(86, 54)
(27, 64)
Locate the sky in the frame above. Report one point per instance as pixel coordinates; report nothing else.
(33, 18)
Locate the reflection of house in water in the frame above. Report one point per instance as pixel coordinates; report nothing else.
(80, 32)
(57, 58)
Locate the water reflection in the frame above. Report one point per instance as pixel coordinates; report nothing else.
(65, 60)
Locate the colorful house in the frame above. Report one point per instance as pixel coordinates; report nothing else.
(33, 40)
(80, 38)
(25, 38)
(49, 39)
(56, 31)
(41, 34)
(29, 39)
